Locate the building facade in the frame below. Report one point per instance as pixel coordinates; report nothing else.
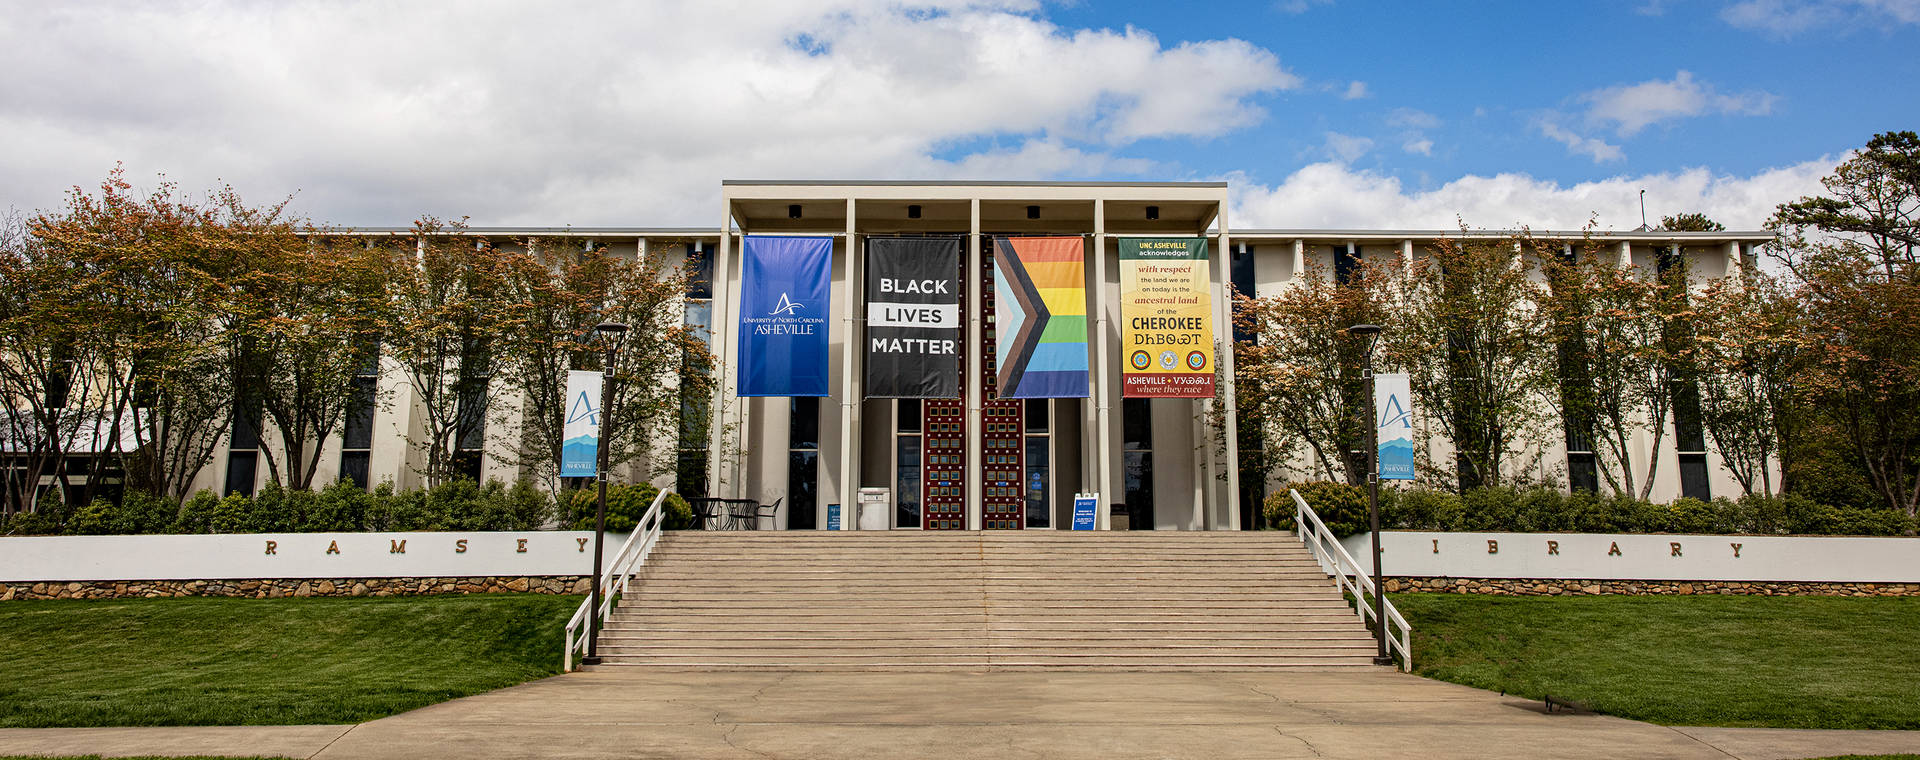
(979, 461)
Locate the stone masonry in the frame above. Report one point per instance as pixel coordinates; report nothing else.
(1560, 587)
(295, 587)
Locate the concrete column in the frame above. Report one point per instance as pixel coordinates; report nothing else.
(1406, 254)
(1102, 385)
(640, 249)
(1736, 264)
(852, 383)
(1626, 254)
(976, 366)
(1223, 306)
(721, 480)
(1299, 259)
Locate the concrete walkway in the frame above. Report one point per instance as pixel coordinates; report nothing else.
(953, 716)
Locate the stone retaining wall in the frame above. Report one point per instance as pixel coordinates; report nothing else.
(1558, 587)
(296, 587)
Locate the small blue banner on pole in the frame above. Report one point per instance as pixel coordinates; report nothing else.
(1394, 404)
(580, 433)
(1085, 507)
(783, 315)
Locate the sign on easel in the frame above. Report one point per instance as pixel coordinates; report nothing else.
(1085, 507)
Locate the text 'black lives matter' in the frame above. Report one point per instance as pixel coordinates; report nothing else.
(913, 317)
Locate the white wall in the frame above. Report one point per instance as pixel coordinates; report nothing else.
(1644, 557)
(299, 555)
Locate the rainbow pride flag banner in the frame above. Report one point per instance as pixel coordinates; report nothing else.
(1040, 314)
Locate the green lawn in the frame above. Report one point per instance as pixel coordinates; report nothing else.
(1784, 662)
(170, 662)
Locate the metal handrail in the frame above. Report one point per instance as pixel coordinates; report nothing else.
(632, 555)
(1326, 548)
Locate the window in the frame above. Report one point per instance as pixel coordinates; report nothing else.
(690, 471)
(243, 447)
(1241, 267)
(906, 463)
(803, 463)
(356, 436)
(1689, 435)
(1346, 262)
(1036, 486)
(1137, 461)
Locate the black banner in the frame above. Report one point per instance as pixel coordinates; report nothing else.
(913, 318)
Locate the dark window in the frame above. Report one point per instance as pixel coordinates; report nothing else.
(472, 416)
(1583, 471)
(1036, 415)
(246, 426)
(804, 432)
(906, 480)
(1038, 483)
(1243, 285)
(358, 431)
(466, 464)
(1346, 262)
(240, 472)
(803, 475)
(354, 466)
(909, 415)
(1137, 439)
(690, 474)
(803, 463)
(1693, 477)
(700, 277)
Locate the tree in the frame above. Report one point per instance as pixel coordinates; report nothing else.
(1750, 347)
(1690, 222)
(454, 318)
(1470, 337)
(566, 291)
(1853, 252)
(1299, 382)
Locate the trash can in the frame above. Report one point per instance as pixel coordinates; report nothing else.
(1120, 517)
(875, 509)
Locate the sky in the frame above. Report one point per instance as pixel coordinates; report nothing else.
(1319, 113)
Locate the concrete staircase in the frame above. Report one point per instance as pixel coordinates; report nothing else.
(1029, 600)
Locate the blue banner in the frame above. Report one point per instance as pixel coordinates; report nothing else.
(783, 315)
(580, 449)
(1394, 403)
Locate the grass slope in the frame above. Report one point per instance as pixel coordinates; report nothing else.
(1784, 662)
(168, 662)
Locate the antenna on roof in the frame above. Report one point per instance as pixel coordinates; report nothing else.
(1643, 208)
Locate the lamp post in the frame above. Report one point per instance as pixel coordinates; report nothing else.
(1371, 334)
(612, 334)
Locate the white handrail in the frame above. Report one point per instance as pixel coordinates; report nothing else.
(1327, 549)
(631, 556)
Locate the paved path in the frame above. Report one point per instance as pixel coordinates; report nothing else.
(954, 716)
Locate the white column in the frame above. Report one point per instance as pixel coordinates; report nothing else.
(1406, 254)
(1223, 308)
(722, 328)
(1626, 255)
(1299, 259)
(1736, 264)
(851, 385)
(976, 366)
(1102, 385)
(640, 249)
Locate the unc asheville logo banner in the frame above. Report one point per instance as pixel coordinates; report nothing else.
(783, 315)
(1393, 406)
(580, 433)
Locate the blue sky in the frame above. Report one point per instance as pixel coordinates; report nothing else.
(1321, 113)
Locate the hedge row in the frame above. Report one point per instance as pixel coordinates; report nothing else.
(1545, 510)
(345, 507)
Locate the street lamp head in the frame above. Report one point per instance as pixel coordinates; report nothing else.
(611, 329)
(1363, 330)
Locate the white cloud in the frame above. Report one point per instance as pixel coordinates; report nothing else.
(1347, 148)
(1299, 6)
(590, 113)
(1600, 150)
(1787, 18)
(1412, 118)
(1632, 107)
(1420, 145)
(1355, 91)
(1331, 195)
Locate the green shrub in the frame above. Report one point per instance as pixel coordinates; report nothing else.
(231, 515)
(1278, 511)
(1341, 506)
(196, 516)
(626, 503)
(339, 508)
